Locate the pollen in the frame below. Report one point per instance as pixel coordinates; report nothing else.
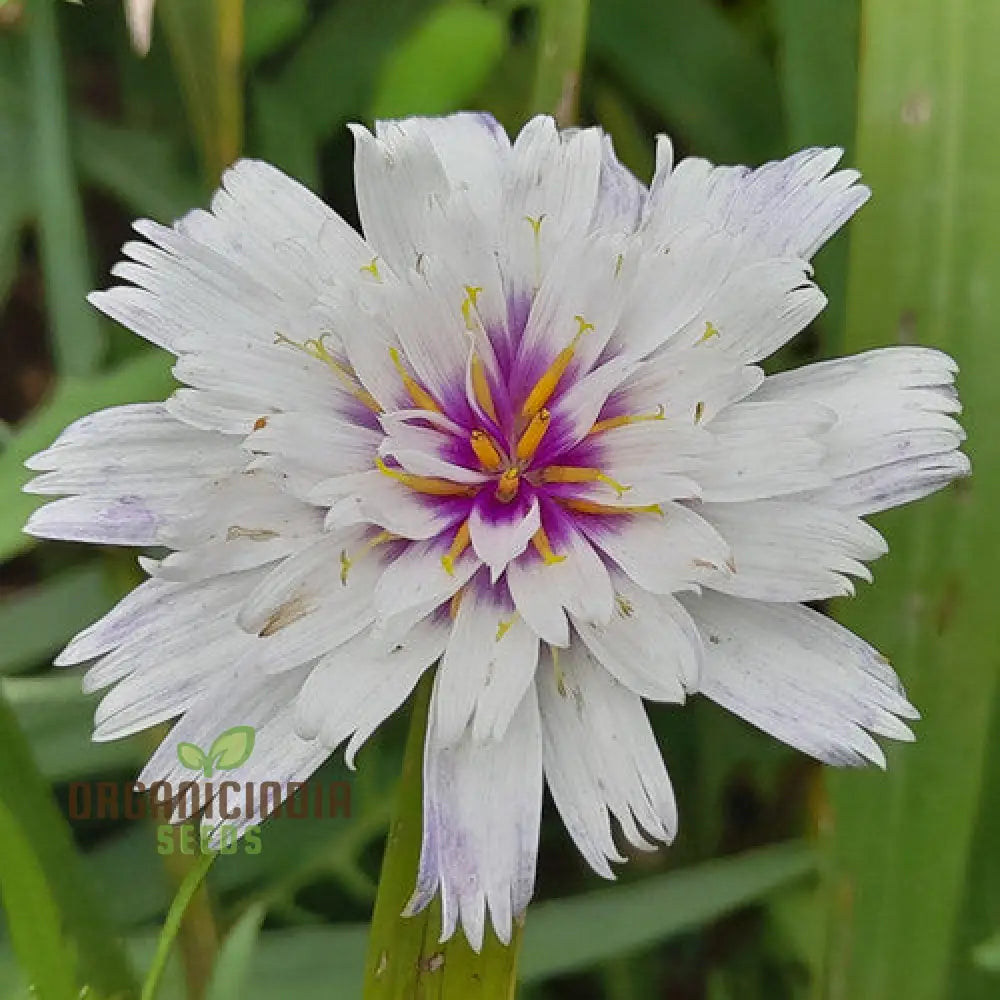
(504, 626)
(547, 384)
(372, 268)
(507, 485)
(710, 332)
(417, 392)
(529, 441)
(486, 450)
(458, 545)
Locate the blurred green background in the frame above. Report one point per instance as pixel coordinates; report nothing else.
(785, 881)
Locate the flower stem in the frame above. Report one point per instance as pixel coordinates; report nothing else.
(172, 925)
(405, 959)
(562, 40)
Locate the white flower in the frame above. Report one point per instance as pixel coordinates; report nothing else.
(139, 18)
(518, 428)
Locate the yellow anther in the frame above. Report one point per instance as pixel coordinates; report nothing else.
(624, 421)
(426, 484)
(579, 474)
(710, 332)
(544, 548)
(455, 603)
(260, 423)
(503, 627)
(625, 607)
(417, 392)
(507, 485)
(590, 507)
(316, 348)
(529, 441)
(346, 562)
(471, 295)
(458, 545)
(546, 385)
(699, 411)
(619, 261)
(535, 223)
(486, 450)
(372, 269)
(481, 388)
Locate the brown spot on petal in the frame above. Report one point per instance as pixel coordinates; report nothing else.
(289, 612)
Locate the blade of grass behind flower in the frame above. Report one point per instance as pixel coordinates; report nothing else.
(924, 269)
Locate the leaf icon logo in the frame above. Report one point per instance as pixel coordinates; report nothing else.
(230, 749)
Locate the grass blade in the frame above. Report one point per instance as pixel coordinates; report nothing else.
(924, 269)
(77, 339)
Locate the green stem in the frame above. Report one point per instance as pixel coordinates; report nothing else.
(172, 925)
(562, 40)
(405, 959)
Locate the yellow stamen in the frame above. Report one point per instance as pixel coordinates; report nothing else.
(481, 387)
(699, 411)
(260, 423)
(455, 603)
(507, 485)
(536, 224)
(710, 332)
(624, 421)
(590, 507)
(426, 484)
(346, 562)
(503, 627)
(579, 474)
(471, 294)
(529, 441)
(546, 385)
(372, 269)
(544, 548)
(417, 392)
(458, 545)
(315, 348)
(486, 450)
(625, 607)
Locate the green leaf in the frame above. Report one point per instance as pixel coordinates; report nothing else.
(987, 955)
(231, 975)
(37, 621)
(146, 377)
(33, 916)
(464, 37)
(924, 269)
(27, 801)
(694, 66)
(77, 338)
(270, 24)
(568, 935)
(232, 748)
(58, 719)
(192, 756)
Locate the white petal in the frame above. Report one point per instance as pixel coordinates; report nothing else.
(800, 677)
(621, 197)
(487, 667)
(787, 550)
(480, 850)
(650, 644)
(501, 532)
(894, 438)
(354, 689)
(664, 553)
(765, 450)
(601, 757)
(785, 208)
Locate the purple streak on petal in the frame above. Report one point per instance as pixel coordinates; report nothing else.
(505, 514)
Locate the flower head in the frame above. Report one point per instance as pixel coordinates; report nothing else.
(516, 429)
